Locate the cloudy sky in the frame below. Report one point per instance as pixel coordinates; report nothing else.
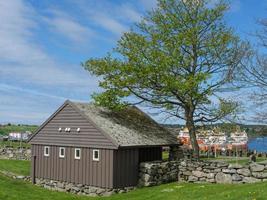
(42, 44)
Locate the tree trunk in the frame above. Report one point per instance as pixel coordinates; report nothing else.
(192, 132)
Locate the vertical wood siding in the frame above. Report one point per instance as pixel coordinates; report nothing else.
(70, 118)
(126, 167)
(84, 171)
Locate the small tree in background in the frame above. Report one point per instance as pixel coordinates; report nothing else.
(254, 75)
(179, 59)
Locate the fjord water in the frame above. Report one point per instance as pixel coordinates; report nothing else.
(259, 144)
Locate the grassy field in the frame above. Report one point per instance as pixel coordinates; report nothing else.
(5, 129)
(237, 160)
(14, 144)
(18, 190)
(20, 167)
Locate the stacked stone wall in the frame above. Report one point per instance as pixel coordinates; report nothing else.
(15, 153)
(156, 173)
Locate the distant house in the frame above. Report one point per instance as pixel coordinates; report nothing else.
(18, 136)
(84, 144)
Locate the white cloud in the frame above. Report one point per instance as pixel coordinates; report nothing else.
(149, 4)
(24, 59)
(68, 27)
(109, 24)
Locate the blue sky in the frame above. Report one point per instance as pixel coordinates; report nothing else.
(42, 44)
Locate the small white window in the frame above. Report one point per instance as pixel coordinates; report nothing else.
(62, 152)
(46, 151)
(77, 153)
(95, 155)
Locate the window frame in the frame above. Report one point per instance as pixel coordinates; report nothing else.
(75, 156)
(64, 149)
(46, 154)
(94, 158)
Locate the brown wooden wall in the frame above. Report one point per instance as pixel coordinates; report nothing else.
(126, 167)
(126, 164)
(68, 117)
(84, 171)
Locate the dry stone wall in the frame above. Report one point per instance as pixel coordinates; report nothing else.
(155, 173)
(15, 153)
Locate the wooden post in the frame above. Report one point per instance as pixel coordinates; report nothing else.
(33, 169)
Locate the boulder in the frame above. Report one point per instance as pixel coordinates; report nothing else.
(187, 173)
(236, 177)
(260, 175)
(244, 172)
(256, 167)
(222, 164)
(199, 174)
(192, 179)
(210, 175)
(250, 180)
(229, 171)
(223, 178)
(235, 166)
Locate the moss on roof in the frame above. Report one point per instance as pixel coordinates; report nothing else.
(128, 127)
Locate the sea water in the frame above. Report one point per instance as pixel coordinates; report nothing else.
(259, 144)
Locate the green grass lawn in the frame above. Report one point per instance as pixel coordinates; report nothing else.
(14, 144)
(20, 167)
(18, 190)
(237, 160)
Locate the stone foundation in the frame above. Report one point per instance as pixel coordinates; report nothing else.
(79, 189)
(15, 153)
(155, 173)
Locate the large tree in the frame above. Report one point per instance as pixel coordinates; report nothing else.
(179, 58)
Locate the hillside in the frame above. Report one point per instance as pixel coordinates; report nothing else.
(7, 128)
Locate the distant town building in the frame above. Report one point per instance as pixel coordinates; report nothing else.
(17, 136)
(215, 139)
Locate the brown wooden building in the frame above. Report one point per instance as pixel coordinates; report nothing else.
(82, 143)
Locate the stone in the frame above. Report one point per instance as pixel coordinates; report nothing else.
(107, 194)
(20, 177)
(236, 177)
(262, 162)
(75, 189)
(211, 180)
(260, 175)
(223, 178)
(210, 175)
(192, 179)
(187, 173)
(235, 166)
(198, 174)
(256, 168)
(229, 171)
(244, 172)
(222, 164)
(60, 185)
(250, 180)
